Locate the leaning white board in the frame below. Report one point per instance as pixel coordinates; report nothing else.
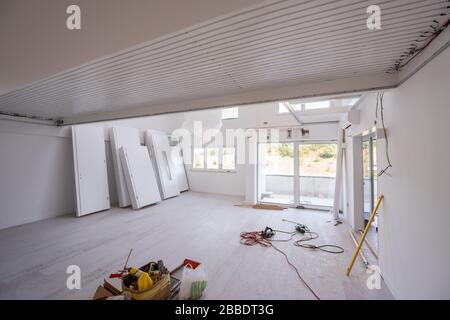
(140, 176)
(120, 137)
(179, 169)
(91, 178)
(161, 152)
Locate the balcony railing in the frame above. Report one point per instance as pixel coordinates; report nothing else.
(310, 186)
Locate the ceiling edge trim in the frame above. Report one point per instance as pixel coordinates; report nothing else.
(302, 91)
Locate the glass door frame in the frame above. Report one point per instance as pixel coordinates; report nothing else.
(258, 163)
(296, 144)
(297, 198)
(370, 138)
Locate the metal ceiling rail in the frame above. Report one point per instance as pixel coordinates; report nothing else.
(334, 53)
(244, 36)
(143, 69)
(278, 42)
(154, 100)
(280, 65)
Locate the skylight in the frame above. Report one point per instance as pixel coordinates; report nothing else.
(230, 113)
(282, 108)
(345, 102)
(317, 105)
(354, 101)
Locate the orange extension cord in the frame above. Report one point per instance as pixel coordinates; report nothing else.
(256, 237)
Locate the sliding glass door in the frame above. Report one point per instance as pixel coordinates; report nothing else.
(317, 174)
(296, 173)
(276, 173)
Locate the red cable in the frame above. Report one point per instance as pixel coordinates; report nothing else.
(256, 237)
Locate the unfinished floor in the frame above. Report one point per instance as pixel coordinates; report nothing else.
(199, 226)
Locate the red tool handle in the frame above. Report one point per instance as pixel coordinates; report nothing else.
(193, 264)
(115, 275)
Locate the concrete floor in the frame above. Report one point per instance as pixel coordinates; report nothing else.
(203, 227)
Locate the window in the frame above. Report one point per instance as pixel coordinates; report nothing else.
(282, 108)
(212, 158)
(230, 113)
(296, 106)
(228, 159)
(317, 105)
(353, 101)
(199, 158)
(344, 102)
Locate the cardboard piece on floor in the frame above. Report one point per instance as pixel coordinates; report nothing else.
(269, 207)
(262, 206)
(161, 152)
(121, 136)
(140, 176)
(91, 177)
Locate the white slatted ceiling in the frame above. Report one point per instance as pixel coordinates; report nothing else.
(278, 43)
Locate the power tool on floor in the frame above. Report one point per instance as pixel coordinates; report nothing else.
(301, 228)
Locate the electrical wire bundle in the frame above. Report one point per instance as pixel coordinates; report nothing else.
(261, 237)
(380, 106)
(426, 37)
(309, 235)
(265, 239)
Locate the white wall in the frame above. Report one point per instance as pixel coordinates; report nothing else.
(353, 191)
(36, 167)
(36, 173)
(230, 183)
(415, 217)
